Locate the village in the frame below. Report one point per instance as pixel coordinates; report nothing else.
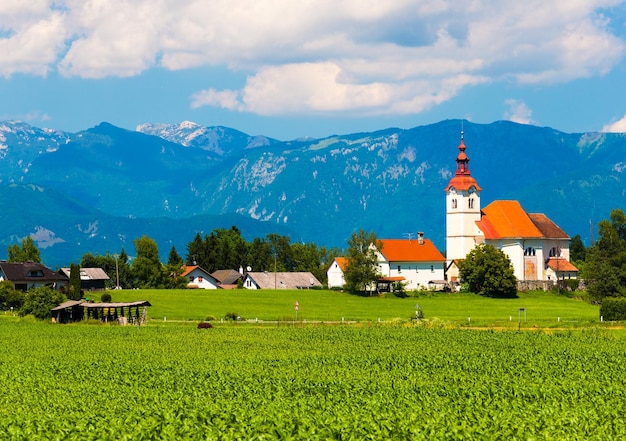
(537, 248)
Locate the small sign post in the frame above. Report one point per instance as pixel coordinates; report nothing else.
(297, 307)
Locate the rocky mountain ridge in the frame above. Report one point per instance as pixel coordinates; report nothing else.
(65, 188)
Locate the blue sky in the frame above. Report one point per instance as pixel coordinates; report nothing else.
(287, 69)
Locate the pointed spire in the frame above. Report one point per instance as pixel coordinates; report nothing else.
(462, 161)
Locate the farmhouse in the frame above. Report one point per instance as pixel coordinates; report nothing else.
(335, 272)
(25, 276)
(91, 279)
(280, 280)
(198, 277)
(417, 263)
(537, 247)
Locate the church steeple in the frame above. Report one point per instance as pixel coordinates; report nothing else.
(462, 208)
(462, 180)
(462, 161)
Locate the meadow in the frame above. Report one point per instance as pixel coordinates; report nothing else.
(542, 309)
(344, 382)
(318, 377)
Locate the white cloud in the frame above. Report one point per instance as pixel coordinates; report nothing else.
(316, 56)
(618, 126)
(518, 112)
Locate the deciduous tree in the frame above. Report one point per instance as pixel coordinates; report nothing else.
(361, 267)
(488, 272)
(27, 252)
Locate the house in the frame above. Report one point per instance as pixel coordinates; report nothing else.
(25, 276)
(228, 279)
(537, 247)
(415, 262)
(91, 279)
(335, 272)
(198, 277)
(280, 280)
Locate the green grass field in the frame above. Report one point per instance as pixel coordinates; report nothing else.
(543, 309)
(357, 382)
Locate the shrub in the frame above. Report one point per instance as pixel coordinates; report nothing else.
(613, 308)
(105, 298)
(232, 316)
(39, 302)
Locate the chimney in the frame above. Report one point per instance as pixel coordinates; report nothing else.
(420, 238)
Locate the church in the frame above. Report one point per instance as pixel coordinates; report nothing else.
(537, 247)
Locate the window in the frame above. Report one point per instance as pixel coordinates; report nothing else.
(530, 251)
(432, 268)
(555, 252)
(453, 203)
(191, 278)
(200, 279)
(471, 203)
(399, 268)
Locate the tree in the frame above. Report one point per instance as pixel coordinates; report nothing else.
(10, 297)
(488, 272)
(39, 302)
(174, 269)
(27, 252)
(74, 291)
(361, 265)
(577, 249)
(147, 269)
(605, 267)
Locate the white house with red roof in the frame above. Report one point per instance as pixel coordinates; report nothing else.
(537, 247)
(335, 272)
(198, 277)
(415, 262)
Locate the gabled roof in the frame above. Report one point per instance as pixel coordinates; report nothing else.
(507, 219)
(410, 250)
(29, 272)
(342, 262)
(189, 268)
(559, 264)
(89, 273)
(283, 280)
(547, 227)
(227, 277)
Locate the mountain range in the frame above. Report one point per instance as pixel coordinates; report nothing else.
(98, 189)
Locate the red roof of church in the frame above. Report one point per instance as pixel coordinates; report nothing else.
(410, 250)
(507, 219)
(560, 264)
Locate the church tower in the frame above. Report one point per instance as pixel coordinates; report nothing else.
(462, 209)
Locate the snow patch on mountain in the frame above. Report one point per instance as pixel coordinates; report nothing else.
(44, 237)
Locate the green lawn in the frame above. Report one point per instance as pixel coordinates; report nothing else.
(544, 309)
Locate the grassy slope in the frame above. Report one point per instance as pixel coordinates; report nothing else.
(542, 309)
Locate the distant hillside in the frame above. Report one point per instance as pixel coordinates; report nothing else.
(100, 188)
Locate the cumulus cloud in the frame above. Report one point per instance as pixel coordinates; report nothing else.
(618, 126)
(324, 56)
(518, 112)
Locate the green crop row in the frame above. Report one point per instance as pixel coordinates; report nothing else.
(325, 382)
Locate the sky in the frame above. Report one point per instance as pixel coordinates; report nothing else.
(289, 69)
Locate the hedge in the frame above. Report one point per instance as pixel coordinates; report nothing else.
(613, 308)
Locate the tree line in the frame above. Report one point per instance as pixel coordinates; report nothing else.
(221, 249)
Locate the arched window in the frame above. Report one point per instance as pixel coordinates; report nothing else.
(555, 252)
(530, 251)
(471, 203)
(453, 203)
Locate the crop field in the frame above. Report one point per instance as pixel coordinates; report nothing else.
(544, 309)
(348, 382)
